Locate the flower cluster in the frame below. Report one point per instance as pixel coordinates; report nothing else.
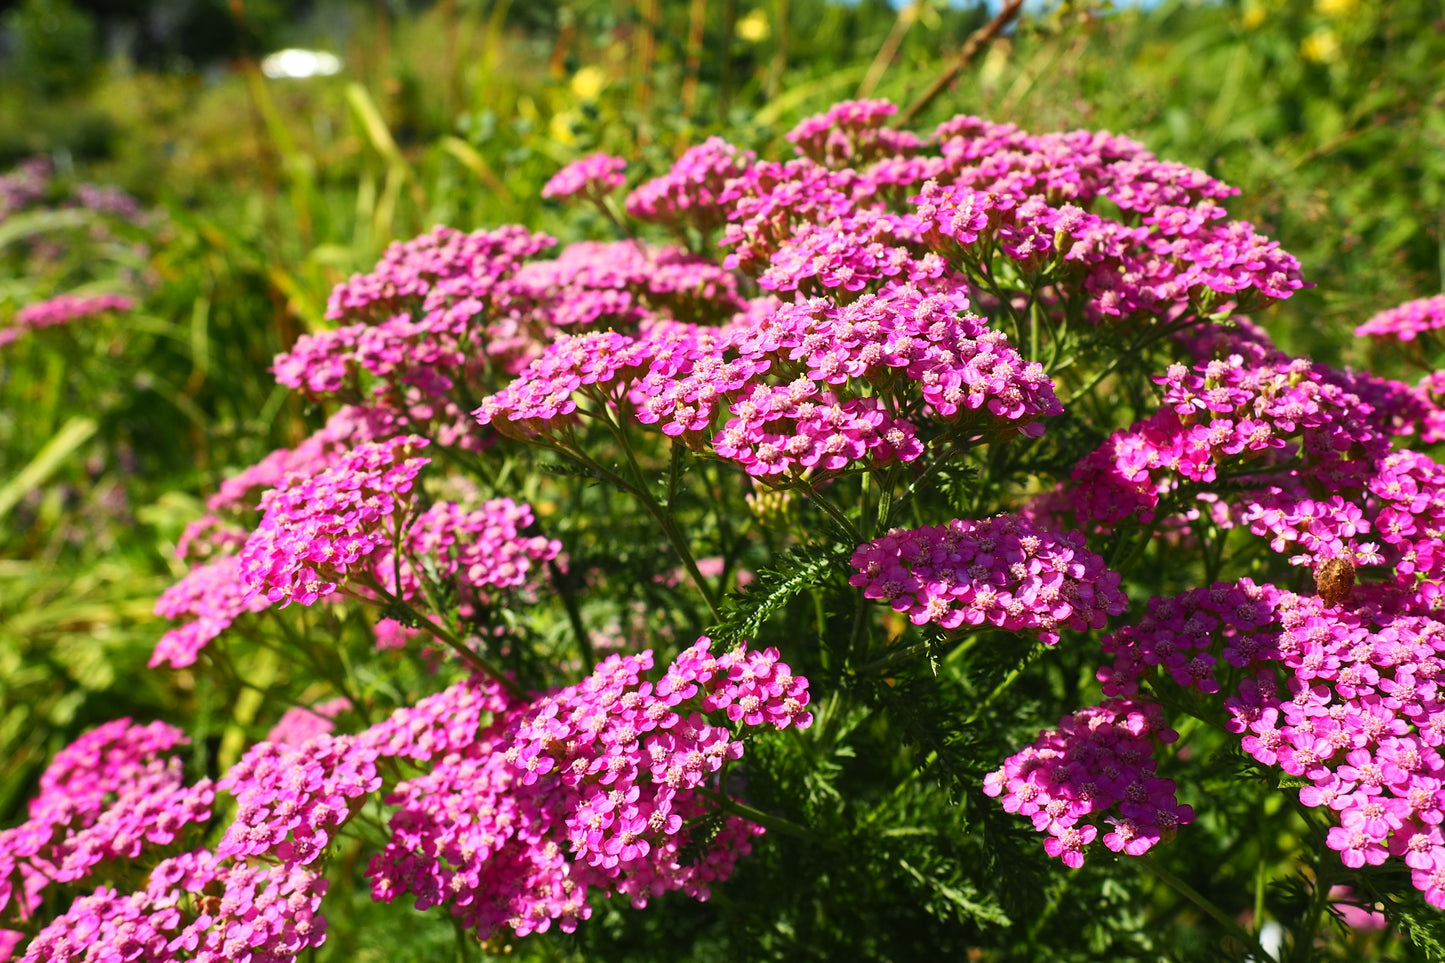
(210, 597)
(103, 799)
(690, 193)
(1002, 571)
(768, 371)
(1406, 321)
(194, 907)
(1246, 413)
(482, 548)
(853, 133)
(589, 788)
(62, 309)
(316, 528)
(290, 800)
(984, 189)
(1099, 761)
(429, 318)
(797, 428)
(594, 176)
(1358, 715)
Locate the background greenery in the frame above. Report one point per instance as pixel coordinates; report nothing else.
(1329, 115)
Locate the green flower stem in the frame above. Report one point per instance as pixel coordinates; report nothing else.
(776, 823)
(1006, 684)
(300, 647)
(574, 614)
(879, 520)
(1129, 352)
(1304, 937)
(903, 654)
(443, 635)
(664, 518)
(831, 510)
(902, 501)
(897, 792)
(1207, 907)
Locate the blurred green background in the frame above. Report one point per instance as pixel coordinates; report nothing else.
(258, 193)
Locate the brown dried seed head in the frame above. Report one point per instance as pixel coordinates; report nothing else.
(1334, 578)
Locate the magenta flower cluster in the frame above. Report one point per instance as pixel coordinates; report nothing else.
(690, 193)
(104, 799)
(480, 548)
(591, 788)
(983, 189)
(768, 371)
(1096, 771)
(314, 530)
(62, 309)
(595, 176)
(1003, 572)
(1250, 412)
(1358, 712)
(194, 907)
(291, 800)
(1407, 321)
(521, 809)
(853, 133)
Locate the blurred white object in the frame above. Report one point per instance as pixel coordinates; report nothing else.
(294, 62)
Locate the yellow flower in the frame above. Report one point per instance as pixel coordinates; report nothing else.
(1254, 15)
(754, 27)
(588, 82)
(1336, 8)
(1322, 46)
(560, 128)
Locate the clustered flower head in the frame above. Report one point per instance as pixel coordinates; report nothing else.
(480, 548)
(195, 906)
(1249, 412)
(594, 285)
(599, 786)
(1406, 321)
(1095, 772)
(62, 309)
(768, 371)
(1344, 695)
(316, 528)
(1003, 572)
(853, 133)
(104, 798)
(690, 193)
(431, 316)
(595, 176)
(290, 800)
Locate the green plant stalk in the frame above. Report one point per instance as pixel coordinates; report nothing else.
(443, 635)
(574, 615)
(831, 510)
(664, 518)
(1206, 906)
(777, 823)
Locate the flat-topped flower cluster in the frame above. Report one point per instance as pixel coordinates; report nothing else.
(1004, 572)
